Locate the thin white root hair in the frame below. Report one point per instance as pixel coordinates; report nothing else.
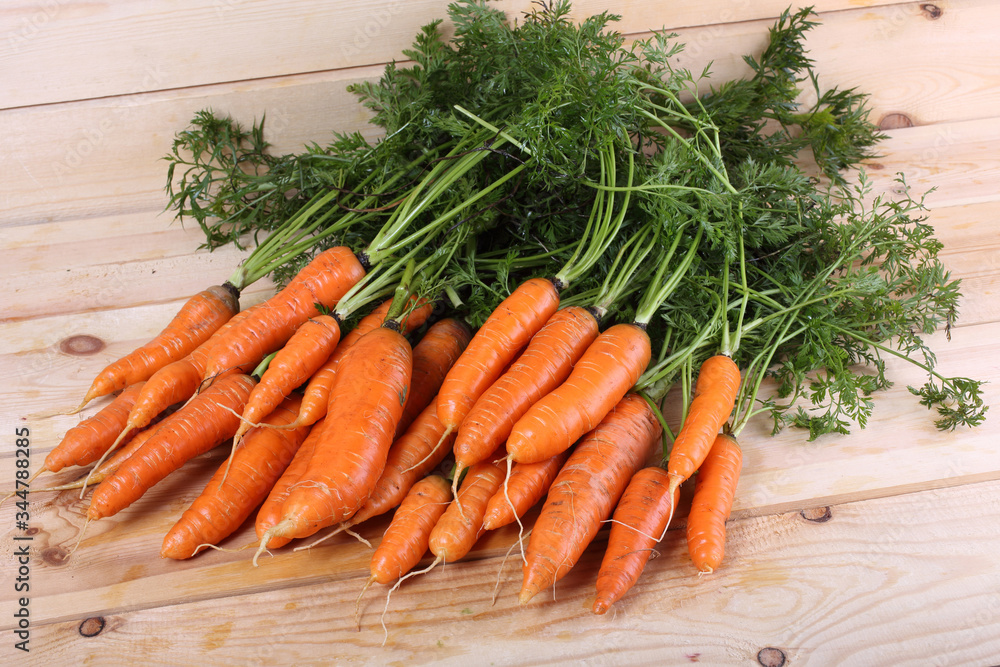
(496, 588)
(79, 540)
(385, 630)
(430, 453)
(218, 548)
(107, 452)
(622, 523)
(336, 531)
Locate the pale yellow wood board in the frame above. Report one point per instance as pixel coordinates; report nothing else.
(125, 296)
(780, 474)
(81, 177)
(101, 157)
(60, 51)
(908, 580)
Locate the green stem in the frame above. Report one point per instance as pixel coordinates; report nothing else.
(652, 299)
(262, 366)
(667, 433)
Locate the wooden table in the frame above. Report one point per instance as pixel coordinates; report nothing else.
(874, 549)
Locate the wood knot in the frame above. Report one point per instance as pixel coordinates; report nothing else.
(81, 345)
(817, 514)
(91, 627)
(931, 11)
(771, 657)
(32, 531)
(55, 556)
(895, 121)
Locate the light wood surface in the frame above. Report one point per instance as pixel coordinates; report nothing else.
(904, 572)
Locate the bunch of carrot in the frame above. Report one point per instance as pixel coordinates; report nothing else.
(688, 240)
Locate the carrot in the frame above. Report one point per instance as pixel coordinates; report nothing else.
(198, 427)
(269, 513)
(433, 357)
(714, 492)
(602, 376)
(317, 392)
(100, 472)
(461, 525)
(87, 441)
(714, 397)
(412, 455)
(303, 354)
(224, 505)
(366, 402)
(174, 382)
(323, 281)
(526, 484)
(199, 318)
(405, 540)
(586, 490)
(506, 331)
(639, 521)
(544, 365)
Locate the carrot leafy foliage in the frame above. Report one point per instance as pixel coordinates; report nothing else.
(733, 215)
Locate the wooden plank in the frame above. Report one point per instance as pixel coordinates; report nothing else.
(780, 474)
(81, 187)
(50, 360)
(946, 157)
(101, 157)
(133, 259)
(849, 590)
(133, 48)
(84, 282)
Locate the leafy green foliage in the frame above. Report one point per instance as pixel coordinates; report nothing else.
(725, 242)
(224, 177)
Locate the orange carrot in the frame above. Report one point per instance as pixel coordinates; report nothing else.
(602, 376)
(433, 357)
(586, 491)
(317, 392)
(366, 402)
(99, 473)
(87, 441)
(269, 513)
(172, 384)
(506, 331)
(201, 425)
(461, 525)
(526, 484)
(224, 505)
(323, 281)
(303, 354)
(544, 365)
(714, 492)
(639, 521)
(412, 455)
(405, 540)
(196, 321)
(714, 396)
(175, 382)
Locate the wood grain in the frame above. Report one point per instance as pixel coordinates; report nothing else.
(849, 590)
(904, 572)
(101, 156)
(140, 47)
